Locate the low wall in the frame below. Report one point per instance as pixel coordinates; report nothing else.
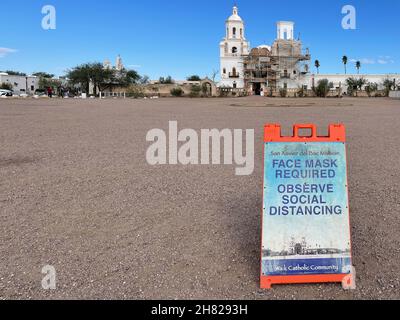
(164, 90)
(394, 94)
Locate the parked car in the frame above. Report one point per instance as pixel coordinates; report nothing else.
(6, 93)
(40, 92)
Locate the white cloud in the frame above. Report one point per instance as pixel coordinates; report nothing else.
(380, 60)
(6, 51)
(364, 60)
(385, 60)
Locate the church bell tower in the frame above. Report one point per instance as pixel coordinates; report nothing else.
(232, 50)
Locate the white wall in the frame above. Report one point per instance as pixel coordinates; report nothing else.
(228, 63)
(394, 94)
(340, 79)
(21, 84)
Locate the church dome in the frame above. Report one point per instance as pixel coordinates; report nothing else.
(235, 16)
(260, 51)
(264, 46)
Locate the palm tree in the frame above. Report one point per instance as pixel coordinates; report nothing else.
(317, 65)
(344, 60)
(358, 66)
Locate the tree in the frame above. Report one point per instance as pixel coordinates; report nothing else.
(144, 80)
(80, 76)
(361, 82)
(351, 85)
(193, 78)
(214, 75)
(345, 60)
(177, 92)
(125, 77)
(358, 66)
(15, 73)
(132, 76)
(43, 75)
(6, 86)
(388, 85)
(94, 73)
(45, 83)
(317, 65)
(102, 77)
(46, 80)
(371, 87)
(195, 91)
(323, 87)
(355, 84)
(167, 80)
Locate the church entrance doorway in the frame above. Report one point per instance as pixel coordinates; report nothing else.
(207, 89)
(257, 89)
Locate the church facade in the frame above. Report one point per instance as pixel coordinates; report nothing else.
(283, 65)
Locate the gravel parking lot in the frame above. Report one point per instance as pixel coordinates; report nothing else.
(77, 193)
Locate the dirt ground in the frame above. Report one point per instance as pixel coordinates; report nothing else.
(77, 193)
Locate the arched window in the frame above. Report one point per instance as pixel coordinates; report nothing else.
(234, 31)
(234, 50)
(234, 71)
(224, 71)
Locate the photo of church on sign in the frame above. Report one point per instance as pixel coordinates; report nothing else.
(303, 248)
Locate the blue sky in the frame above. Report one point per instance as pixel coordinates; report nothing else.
(181, 37)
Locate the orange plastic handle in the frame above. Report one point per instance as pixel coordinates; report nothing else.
(312, 127)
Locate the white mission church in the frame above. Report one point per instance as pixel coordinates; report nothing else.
(284, 64)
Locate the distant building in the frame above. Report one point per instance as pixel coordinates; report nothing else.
(107, 64)
(118, 64)
(21, 84)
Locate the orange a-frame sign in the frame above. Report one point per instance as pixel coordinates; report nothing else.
(305, 219)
